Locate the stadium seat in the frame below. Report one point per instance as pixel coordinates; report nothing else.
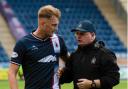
(3, 56)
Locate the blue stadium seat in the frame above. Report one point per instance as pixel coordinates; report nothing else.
(3, 56)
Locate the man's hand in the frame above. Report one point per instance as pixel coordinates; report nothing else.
(84, 83)
(60, 71)
(61, 67)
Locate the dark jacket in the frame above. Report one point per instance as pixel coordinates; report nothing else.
(92, 62)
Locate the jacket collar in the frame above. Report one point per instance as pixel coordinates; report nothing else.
(88, 47)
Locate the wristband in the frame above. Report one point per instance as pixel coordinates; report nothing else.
(93, 85)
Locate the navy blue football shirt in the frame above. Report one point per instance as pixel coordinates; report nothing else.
(39, 61)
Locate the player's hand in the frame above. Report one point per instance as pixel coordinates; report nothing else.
(84, 84)
(60, 71)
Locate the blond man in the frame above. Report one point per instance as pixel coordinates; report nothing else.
(39, 53)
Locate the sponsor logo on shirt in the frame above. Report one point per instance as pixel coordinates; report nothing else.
(14, 55)
(49, 58)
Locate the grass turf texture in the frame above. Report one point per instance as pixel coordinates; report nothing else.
(5, 85)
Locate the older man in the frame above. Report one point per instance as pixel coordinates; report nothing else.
(91, 66)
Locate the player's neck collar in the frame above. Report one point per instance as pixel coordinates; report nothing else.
(38, 37)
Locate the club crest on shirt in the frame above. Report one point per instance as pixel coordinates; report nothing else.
(34, 47)
(14, 54)
(93, 61)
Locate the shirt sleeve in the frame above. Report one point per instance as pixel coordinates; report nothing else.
(67, 75)
(63, 48)
(110, 70)
(17, 54)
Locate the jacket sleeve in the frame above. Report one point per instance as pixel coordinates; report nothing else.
(109, 70)
(67, 75)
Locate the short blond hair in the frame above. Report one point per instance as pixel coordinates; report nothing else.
(48, 11)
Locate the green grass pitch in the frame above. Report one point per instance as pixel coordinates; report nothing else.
(5, 85)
